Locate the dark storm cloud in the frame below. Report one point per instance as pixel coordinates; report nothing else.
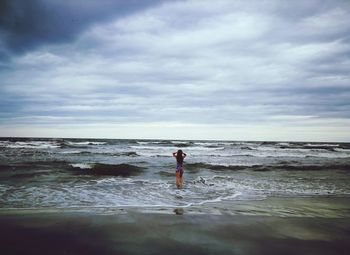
(25, 25)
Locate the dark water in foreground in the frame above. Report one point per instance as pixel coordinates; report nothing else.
(131, 232)
(92, 173)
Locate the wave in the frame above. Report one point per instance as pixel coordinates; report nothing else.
(74, 152)
(321, 145)
(165, 142)
(198, 166)
(247, 148)
(182, 145)
(312, 167)
(88, 153)
(310, 148)
(314, 146)
(328, 152)
(268, 143)
(81, 165)
(128, 153)
(195, 167)
(123, 170)
(271, 144)
(82, 153)
(30, 145)
(85, 144)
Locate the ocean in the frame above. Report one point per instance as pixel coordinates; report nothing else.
(92, 174)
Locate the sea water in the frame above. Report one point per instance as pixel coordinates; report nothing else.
(93, 173)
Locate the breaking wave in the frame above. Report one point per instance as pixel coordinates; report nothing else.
(123, 170)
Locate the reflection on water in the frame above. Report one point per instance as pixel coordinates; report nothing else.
(179, 211)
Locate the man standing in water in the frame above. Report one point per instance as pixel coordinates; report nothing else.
(179, 155)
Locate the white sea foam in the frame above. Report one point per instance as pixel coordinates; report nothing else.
(143, 143)
(321, 145)
(219, 199)
(148, 147)
(199, 148)
(82, 165)
(283, 144)
(4, 143)
(139, 192)
(86, 143)
(70, 152)
(31, 145)
(114, 192)
(342, 150)
(179, 142)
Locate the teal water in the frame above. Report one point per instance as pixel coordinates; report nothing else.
(99, 173)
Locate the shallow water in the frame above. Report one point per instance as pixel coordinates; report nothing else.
(64, 173)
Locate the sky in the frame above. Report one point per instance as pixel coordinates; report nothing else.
(196, 69)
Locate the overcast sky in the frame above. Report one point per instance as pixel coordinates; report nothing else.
(234, 70)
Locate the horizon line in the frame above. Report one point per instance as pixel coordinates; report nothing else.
(165, 139)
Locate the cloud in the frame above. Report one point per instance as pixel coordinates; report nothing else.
(187, 62)
(27, 25)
